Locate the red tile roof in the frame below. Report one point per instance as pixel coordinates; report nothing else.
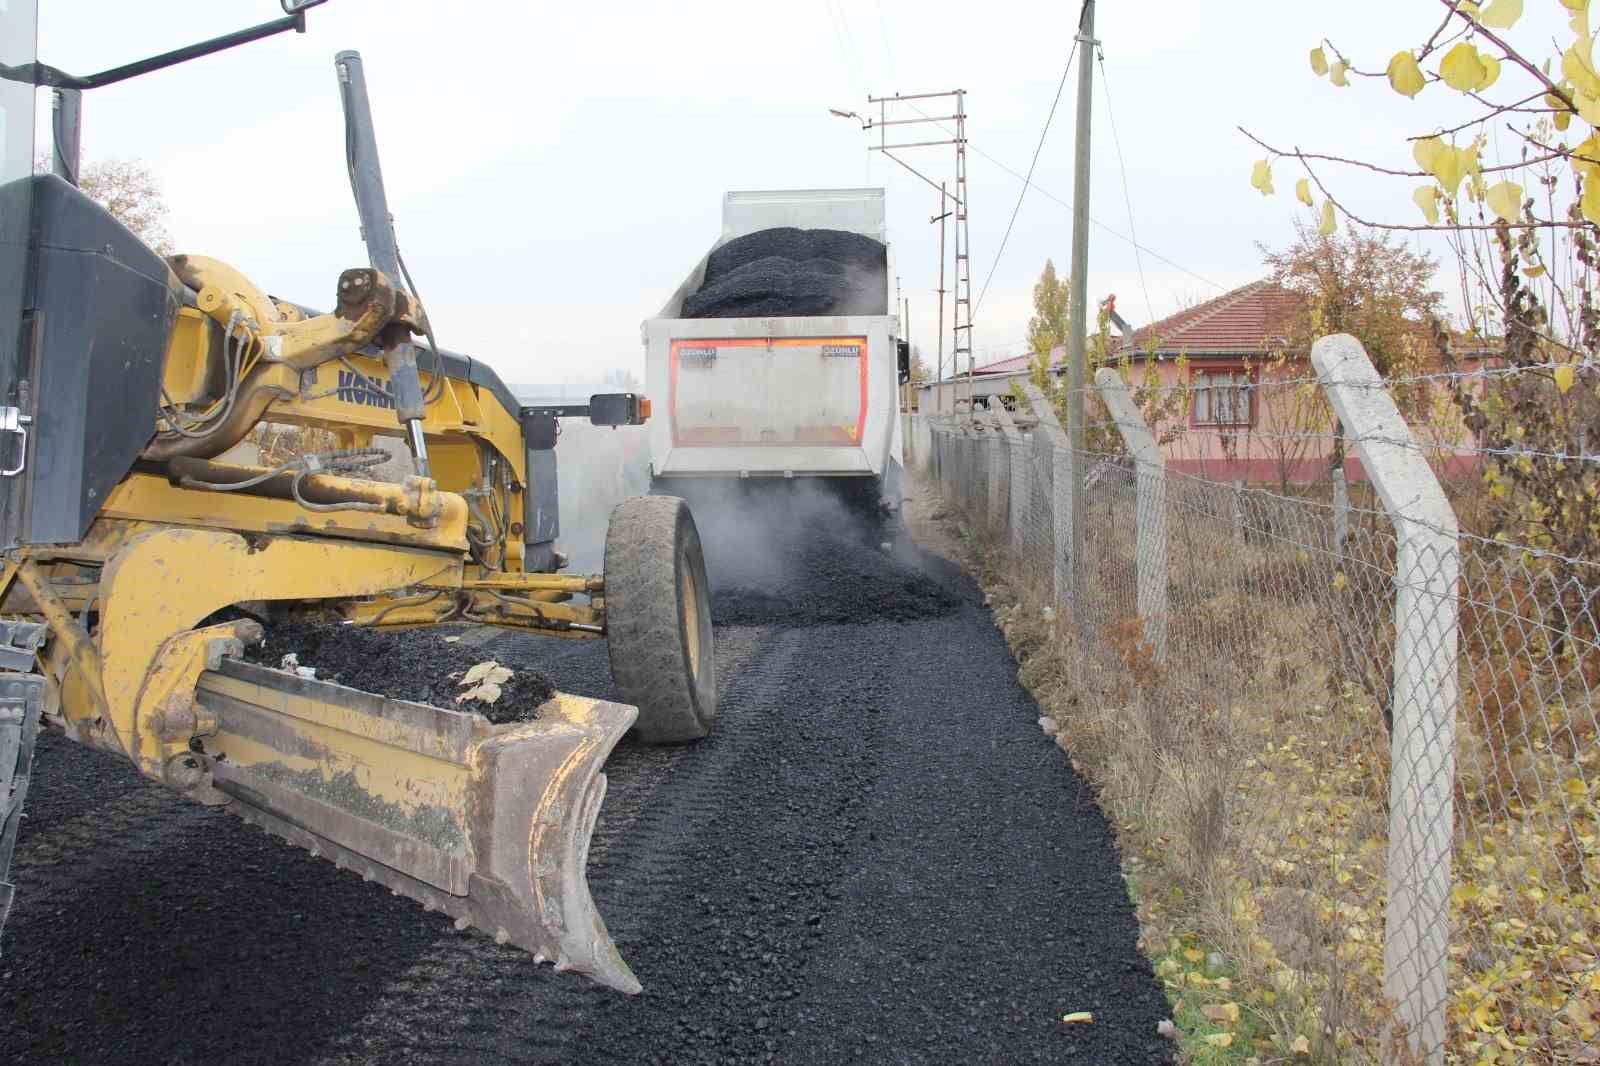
(1019, 364)
(1235, 323)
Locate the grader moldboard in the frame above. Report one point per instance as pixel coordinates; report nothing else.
(128, 543)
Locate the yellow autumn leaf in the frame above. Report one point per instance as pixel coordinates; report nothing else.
(1340, 581)
(1328, 224)
(1405, 77)
(1220, 1039)
(1575, 787)
(1302, 191)
(1590, 202)
(1580, 16)
(1301, 1047)
(1319, 62)
(1451, 164)
(1586, 157)
(1577, 66)
(1222, 1013)
(1261, 177)
(1492, 67)
(1078, 1017)
(1563, 119)
(1461, 68)
(1588, 105)
(1505, 200)
(1501, 14)
(1426, 197)
(1425, 150)
(1336, 74)
(1194, 954)
(1535, 271)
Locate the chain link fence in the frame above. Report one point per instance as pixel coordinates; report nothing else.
(1351, 749)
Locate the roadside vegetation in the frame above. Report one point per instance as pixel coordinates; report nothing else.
(1247, 779)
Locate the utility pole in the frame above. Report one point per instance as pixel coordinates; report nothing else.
(1078, 342)
(961, 331)
(944, 213)
(905, 317)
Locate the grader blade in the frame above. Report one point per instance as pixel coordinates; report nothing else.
(487, 823)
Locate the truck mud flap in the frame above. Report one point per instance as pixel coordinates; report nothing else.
(489, 824)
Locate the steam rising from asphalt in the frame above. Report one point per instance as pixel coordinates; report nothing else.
(749, 529)
(754, 530)
(596, 468)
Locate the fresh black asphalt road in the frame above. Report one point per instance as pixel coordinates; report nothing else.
(876, 857)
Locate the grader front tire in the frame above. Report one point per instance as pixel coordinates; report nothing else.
(658, 619)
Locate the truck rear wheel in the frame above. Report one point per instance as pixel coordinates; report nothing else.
(658, 619)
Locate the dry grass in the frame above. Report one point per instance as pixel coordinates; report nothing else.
(1247, 776)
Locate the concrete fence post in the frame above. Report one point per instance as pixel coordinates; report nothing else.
(1423, 741)
(1150, 521)
(1061, 496)
(1021, 483)
(974, 462)
(998, 454)
(1341, 513)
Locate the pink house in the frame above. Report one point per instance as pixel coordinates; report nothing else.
(1233, 403)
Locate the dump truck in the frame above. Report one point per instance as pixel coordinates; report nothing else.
(803, 386)
(137, 559)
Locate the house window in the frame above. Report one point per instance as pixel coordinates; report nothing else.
(1222, 397)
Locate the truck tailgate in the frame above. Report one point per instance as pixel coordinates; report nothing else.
(768, 391)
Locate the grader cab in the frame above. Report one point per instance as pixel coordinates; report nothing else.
(137, 563)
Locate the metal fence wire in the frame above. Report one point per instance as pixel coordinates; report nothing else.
(1351, 750)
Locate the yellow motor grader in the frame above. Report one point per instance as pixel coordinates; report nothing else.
(129, 546)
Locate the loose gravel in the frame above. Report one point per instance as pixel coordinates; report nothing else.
(877, 857)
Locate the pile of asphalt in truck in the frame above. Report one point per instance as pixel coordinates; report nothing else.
(786, 271)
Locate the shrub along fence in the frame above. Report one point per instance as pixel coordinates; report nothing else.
(1351, 749)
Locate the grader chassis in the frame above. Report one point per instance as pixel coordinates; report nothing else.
(137, 565)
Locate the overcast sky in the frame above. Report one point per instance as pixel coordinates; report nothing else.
(556, 169)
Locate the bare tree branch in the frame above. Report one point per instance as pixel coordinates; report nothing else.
(1511, 54)
(1303, 156)
(1453, 227)
(1427, 49)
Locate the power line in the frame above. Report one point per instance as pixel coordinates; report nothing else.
(1047, 194)
(1027, 181)
(1127, 196)
(851, 66)
(849, 44)
(883, 28)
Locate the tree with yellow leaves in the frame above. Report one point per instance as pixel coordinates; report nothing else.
(1511, 182)
(1052, 313)
(1523, 225)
